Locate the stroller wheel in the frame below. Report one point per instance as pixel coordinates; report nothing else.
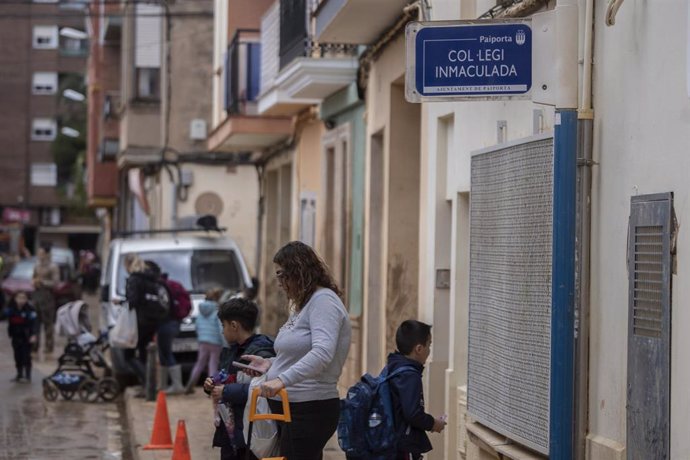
(108, 389)
(68, 394)
(88, 391)
(50, 391)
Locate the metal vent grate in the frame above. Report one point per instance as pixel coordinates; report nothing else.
(510, 290)
(648, 282)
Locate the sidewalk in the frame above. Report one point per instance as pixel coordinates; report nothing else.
(196, 411)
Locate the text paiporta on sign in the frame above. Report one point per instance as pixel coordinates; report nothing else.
(468, 60)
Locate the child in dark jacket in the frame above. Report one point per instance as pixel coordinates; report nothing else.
(22, 329)
(413, 340)
(238, 317)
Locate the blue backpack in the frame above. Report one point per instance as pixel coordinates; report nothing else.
(367, 427)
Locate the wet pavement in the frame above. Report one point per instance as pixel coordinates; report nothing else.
(32, 428)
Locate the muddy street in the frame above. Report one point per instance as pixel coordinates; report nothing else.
(32, 428)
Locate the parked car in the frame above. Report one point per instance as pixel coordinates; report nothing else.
(20, 278)
(199, 263)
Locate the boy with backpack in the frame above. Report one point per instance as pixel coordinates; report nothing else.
(238, 317)
(383, 417)
(413, 339)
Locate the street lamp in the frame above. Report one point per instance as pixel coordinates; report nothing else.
(70, 32)
(69, 132)
(73, 95)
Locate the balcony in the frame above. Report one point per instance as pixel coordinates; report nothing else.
(355, 21)
(243, 130)
(297, 71)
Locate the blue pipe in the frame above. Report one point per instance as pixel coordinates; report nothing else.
(563, 287)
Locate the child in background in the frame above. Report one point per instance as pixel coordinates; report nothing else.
(413, 340)
(209, 334)
(22, 329)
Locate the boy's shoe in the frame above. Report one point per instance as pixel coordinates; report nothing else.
(23, 380)
(16, 379)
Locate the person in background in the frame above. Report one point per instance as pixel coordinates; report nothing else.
(140, 284)
(22, 328)
(311, 349)
(46, 277)
(210, 337)
(168, 330)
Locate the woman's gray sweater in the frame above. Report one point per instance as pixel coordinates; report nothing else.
(311, 349)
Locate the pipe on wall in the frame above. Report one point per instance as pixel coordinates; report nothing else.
(583, 238)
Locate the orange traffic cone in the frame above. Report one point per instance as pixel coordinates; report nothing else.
(181, 450)
(160, 435)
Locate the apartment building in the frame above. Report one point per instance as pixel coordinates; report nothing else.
(43, 49)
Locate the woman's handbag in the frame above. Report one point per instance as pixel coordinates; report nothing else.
(125, 333)
(264, 434)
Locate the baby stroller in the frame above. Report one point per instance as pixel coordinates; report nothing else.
(76, 372)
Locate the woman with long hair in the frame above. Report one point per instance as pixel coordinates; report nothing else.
(311, 349)
(138, 285)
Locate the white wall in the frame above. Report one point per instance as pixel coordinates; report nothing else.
(641, 145)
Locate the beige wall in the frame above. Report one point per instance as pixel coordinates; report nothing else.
(392, 219)
(191, 62)
(245, 14)
(308, 157)
(140, 126)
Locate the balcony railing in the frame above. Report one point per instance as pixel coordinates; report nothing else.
(296, 39)
(242, 71)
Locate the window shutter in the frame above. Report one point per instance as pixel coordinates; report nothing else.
(149, 36)
(649, 326)
(45, 83)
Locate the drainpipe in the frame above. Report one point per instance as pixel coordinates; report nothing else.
(259, 221)
(584, 200)
(173, 202)
(564, 214)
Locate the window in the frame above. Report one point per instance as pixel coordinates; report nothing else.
(45, 83)
(43, 129)
(148, 83)
(109, 149)
(43, 174)
(197, 270)
(45, 37)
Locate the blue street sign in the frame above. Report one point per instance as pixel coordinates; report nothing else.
(468, 60)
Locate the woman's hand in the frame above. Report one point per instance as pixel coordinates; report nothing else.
(208, 385)
(258, 362)
(271, 388)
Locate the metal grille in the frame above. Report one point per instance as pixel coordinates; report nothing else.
(648, 282)
(510, 291)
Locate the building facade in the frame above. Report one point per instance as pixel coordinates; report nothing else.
(44, 47)
(625, 309)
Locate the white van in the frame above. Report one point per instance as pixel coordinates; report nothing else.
(199, 263)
